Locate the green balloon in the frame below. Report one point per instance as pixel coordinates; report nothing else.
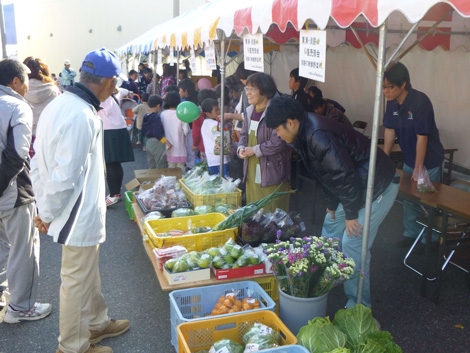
(187, 111)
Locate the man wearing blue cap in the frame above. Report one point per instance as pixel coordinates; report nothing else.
(68, 179)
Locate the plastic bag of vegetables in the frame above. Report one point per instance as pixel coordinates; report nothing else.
(152, 216)
(182, 212)
(259, 337)
(224, 208)
(203, 209)
(242, 214)
(227, 344)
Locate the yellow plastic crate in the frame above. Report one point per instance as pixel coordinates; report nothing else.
(271, 287)
(198, 242)
(233, 198)
(201, 335)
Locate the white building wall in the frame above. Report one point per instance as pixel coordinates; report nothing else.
(69, 22)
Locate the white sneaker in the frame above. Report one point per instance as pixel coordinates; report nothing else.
(3, 300)
(39, 311)
(111, 200)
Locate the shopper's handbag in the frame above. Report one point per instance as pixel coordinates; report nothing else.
(218, 142)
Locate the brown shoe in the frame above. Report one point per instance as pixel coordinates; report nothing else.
(94, 349)
(115, 328)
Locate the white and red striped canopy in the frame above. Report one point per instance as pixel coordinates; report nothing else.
(280, 20)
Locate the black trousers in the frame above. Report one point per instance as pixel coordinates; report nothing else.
(114, 176)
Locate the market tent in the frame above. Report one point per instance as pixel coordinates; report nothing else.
(221, 19)
(199, 26)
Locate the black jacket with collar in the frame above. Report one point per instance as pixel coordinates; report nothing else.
(338, 157)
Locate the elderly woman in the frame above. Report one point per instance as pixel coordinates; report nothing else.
(267, 158)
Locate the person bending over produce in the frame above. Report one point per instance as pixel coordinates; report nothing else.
(338, 157)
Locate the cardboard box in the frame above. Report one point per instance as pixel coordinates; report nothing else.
(239, 272)
(151, 175)
(187, 276)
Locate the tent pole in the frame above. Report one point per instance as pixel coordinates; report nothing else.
(155, 72)
(410, 32)
(373, 157)
(222, 99)
(177, 67)
(372, 61)
(3, 38)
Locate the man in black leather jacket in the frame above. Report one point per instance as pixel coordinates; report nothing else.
(338, 157)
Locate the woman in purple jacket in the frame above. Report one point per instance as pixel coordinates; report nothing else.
(267, 158)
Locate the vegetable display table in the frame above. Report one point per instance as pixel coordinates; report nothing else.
(267, 280)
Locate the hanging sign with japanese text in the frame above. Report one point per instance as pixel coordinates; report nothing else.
(253, 52)
(210, 57)
(172, 57)
(312, 54)
(193, 62)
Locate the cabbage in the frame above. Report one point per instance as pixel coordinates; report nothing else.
(320, 336)
(356, 322)
(353, 330)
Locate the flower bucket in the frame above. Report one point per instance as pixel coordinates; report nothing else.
(296, 312)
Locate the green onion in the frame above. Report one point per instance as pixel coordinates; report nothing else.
(242, 214)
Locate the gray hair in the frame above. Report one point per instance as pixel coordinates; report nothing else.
(9, 69)
(86, 77)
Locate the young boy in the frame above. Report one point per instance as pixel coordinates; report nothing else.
(152, 129)
(210, 108)
(141, 110)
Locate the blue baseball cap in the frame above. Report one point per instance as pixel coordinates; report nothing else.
(105, 62)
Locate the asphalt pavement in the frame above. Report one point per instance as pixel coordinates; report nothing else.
(132, 291)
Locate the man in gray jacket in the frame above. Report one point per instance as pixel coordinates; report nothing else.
(19, 239)
(68, 178)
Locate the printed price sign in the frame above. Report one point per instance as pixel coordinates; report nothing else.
(193, 62)
(210, 57)
(312, 54)
(253, 52)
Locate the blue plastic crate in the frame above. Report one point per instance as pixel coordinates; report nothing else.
(194, 304)
(287, 349)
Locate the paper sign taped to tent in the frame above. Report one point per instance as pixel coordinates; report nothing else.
(253, 52)
(210, 57)
(193, 62)
(172, 57)
(312, 54)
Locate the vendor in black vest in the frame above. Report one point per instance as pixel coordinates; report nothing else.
(409, 117)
